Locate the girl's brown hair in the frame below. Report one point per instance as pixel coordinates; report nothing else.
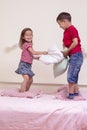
(21, 40)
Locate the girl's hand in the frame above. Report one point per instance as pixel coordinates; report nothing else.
(45, 52)
(36, 57)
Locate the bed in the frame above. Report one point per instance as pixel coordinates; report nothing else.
(42, 112)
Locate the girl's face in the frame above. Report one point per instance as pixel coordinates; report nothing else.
(28, 36)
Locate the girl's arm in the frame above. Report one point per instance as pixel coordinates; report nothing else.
(73, 45)
(33, 52)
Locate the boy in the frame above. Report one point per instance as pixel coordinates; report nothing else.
(71, 40)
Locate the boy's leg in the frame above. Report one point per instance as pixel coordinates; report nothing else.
(76, 90)
(71, 90)
(75, 63)
(71, 81)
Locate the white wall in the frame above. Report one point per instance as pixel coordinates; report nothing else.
(40, 15)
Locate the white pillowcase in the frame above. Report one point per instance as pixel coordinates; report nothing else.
(54, 55)
(60, 68)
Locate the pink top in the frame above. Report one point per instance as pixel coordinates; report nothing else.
(26, 56)
(69, 34)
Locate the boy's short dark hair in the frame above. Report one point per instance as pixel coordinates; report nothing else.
(64, 15)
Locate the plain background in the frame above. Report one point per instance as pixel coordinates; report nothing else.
(40, 15)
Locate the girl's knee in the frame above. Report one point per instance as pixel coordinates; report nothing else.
(31, 80)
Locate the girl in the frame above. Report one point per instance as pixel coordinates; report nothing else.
(27, 56)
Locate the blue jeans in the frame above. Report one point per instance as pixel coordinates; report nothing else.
(75, 63)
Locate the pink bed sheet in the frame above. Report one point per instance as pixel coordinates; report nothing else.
(45, 112)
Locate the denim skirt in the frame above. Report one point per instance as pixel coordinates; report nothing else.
(24, 69)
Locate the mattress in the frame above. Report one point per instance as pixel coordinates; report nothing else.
(43, 112)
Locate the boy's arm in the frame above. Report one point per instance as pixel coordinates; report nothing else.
(73, 45)
(63, 46)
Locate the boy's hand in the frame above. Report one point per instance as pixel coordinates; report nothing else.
(65, 52)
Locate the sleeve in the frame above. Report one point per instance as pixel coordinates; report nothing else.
(27, 45)
(74, 33)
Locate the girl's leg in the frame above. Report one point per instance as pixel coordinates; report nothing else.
(29, 83)
(24, 83)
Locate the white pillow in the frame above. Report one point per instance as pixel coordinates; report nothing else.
(48, 59)
(52, 50)
(54, 55)
(60, 68)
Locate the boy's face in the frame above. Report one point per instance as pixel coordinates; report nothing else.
(63, 24)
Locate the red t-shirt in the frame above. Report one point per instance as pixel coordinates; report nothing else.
(69, 34)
